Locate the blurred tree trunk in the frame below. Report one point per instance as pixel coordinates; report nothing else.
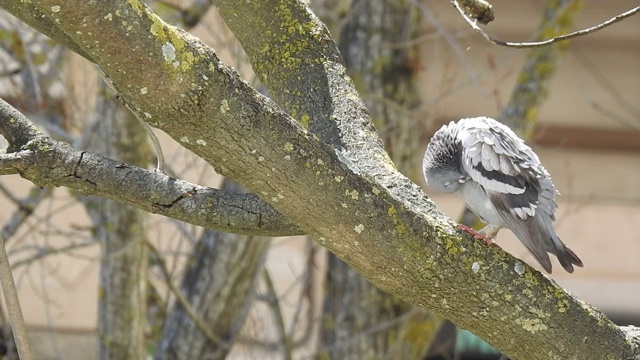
(361, 321)
(219, 285)
(120, 229)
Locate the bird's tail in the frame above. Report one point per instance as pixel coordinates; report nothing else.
(565, 255)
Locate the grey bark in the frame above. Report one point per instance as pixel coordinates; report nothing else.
(14, 311)
(151, 191)
(355, 203)
(219, 285)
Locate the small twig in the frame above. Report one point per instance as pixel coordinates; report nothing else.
(450, 39)
(152, 135)
(45, 251)
(523, 45)
(156, 145)
(272, 301)
(306, 295)
(13, 306)
(605, 83)
(10, 72)
(26, 207)
(630, 123)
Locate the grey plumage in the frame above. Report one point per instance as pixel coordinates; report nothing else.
(501, 180)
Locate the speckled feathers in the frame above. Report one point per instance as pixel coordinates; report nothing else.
(500, 179)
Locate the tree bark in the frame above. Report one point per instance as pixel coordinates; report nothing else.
(331, 176)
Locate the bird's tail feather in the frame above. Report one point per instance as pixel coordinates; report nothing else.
(565, 255)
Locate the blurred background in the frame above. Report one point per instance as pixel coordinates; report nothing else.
(81, 263)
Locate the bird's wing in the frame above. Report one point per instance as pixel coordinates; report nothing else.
(527, 230)
(509, 172)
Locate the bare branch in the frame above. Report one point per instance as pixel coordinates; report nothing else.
(48, 162)
(474, 77)
(13, 305)
(156, 145)
(45, 251)
(532, 88)
(26, 207)
(523, 45)
(283, 340)
(16, 128)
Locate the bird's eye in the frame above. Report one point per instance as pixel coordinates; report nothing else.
(447, 184)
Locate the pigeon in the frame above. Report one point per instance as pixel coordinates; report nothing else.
(502, 181)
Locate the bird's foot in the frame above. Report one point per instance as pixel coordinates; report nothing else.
(478, 235)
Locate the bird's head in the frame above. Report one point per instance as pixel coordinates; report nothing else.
(441, 163)
(443, 179)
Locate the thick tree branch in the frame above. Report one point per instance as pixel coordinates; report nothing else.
(314, 87)
(45, 161)
(388, 82)
(346, 195)
(35, 17)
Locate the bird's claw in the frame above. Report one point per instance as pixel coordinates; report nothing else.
(478, 236)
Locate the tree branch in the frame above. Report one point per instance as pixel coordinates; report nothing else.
(315, 88)
(339, 187)
(555, 39)
(284, 342)
(45, 161)
(13, 305)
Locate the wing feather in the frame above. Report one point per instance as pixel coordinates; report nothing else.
(517, 185)
(507, 172)
(526, 230)
(505, 165)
